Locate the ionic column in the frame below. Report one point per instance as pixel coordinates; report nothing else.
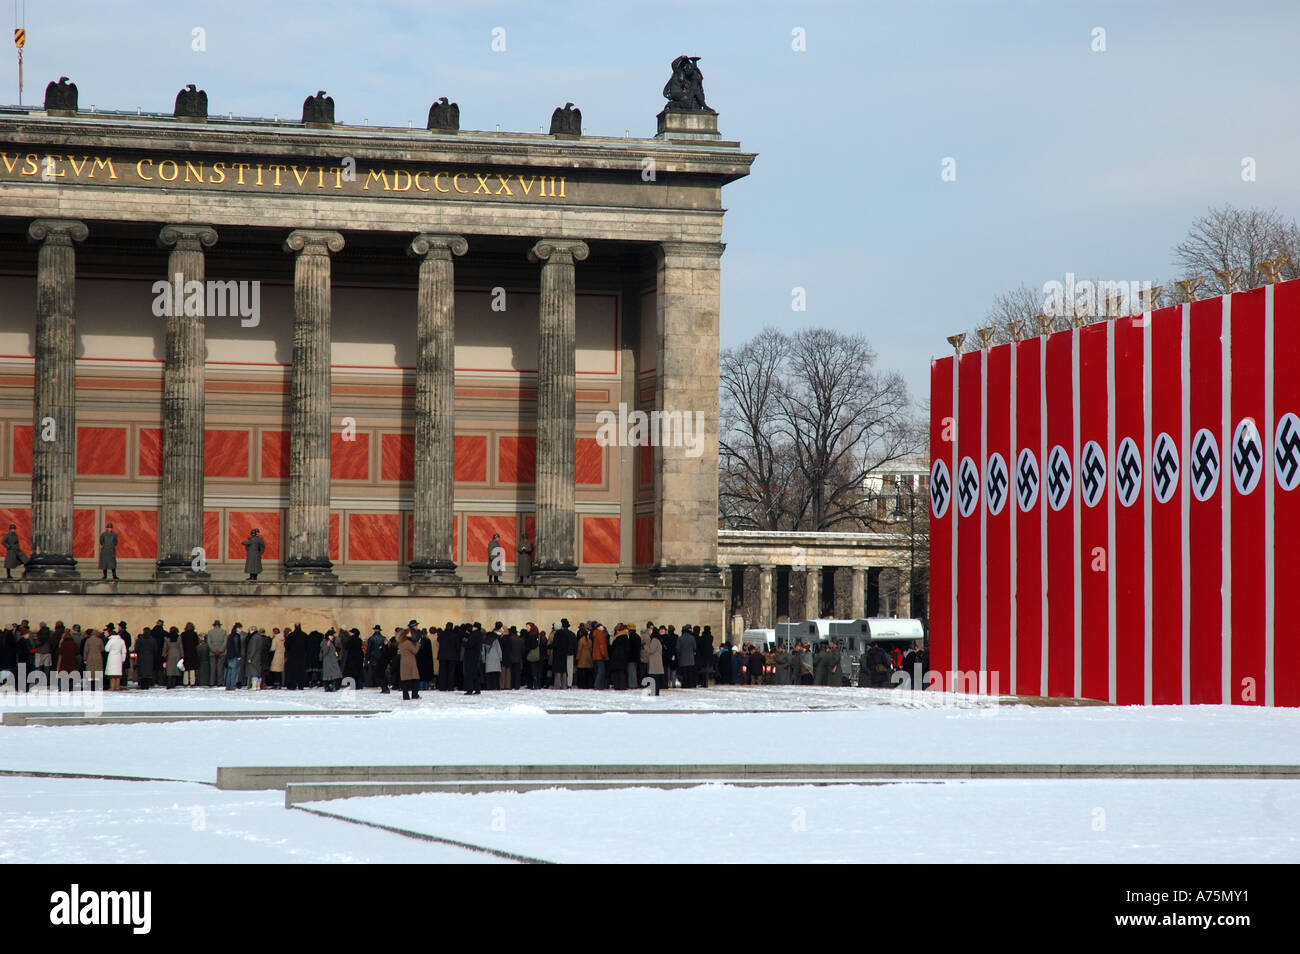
(556, 409)
(903, 606)
(858, 595)
(435, 407)
(180, 521)
(307, 546)
(686, 373)
(766, 607)
(54, 419)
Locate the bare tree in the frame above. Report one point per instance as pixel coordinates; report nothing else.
(1228, 239)
(754, 467)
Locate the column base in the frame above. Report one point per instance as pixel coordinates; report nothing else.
(178, 569)
(51, 566)
(434, 571)
(309, 570)
(555, 574)
(700, 574)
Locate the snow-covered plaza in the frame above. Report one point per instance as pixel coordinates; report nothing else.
(112, 788)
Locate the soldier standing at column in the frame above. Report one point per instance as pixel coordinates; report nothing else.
(254, 546)
(108, 552)
(14, 555)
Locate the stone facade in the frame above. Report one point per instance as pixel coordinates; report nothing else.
(337, 418)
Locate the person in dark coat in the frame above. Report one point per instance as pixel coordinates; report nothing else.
(496, 559)
(295, 658)
(314, 640)
(448, 657)
(686, 657)
(190, 654)
(525, 551)
(353, 658)
(755, 666)
(108, 552)
(374, 658)
(473, 645)
(331, 673)
(254, 547)
(634, 673)
(424, 658)
(618, 658)
(703, 656)
(236, 646)
(14, 556)
(146, 654)
(69, 655)
(159, 634)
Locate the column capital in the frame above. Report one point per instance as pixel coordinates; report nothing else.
(710, 250)
(560, 251)
(313, 242)
(437, 245)
(186, 236)
(61, 231)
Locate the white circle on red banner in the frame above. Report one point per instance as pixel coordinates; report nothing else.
(995, 483)
(1286, 451)
(1058, 477)
(1247, 456)
(940, 489)
(1128, 471)
(1164, 467)
(1092, 473)
(1027, 479)
(968, 487)
(1204, 464)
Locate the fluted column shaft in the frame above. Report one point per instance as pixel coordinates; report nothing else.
(556, 408)
(435, 407)
(307, 545)
(180, 522)
(54, 420)
(858, 595)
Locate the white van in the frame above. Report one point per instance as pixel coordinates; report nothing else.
(764, 639)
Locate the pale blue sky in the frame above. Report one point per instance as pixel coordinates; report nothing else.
(1067, 159)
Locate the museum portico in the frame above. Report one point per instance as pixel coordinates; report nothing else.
(381, 347)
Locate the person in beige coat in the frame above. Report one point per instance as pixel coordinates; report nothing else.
(92, 656)
(409, 671)
(277, 658)
(655, 660)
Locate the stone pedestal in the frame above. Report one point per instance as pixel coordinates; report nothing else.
(54, 418)
(812, 599)
(307, 544)
(698, 124)
(686, 482)
(435, 408)
(556, 410)
(180, 519)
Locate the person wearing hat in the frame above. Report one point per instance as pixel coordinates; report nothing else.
(254, 547)
(14, 555)
(108, 552)
(375, 657)
(525, 551)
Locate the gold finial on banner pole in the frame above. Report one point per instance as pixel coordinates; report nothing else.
(1190, 286)
(1272, 267)
(1046, 323)
(957, 341)
(1017, 329)
(1080, 315)
(1228, 278)
(1150, 297)
(986, 335)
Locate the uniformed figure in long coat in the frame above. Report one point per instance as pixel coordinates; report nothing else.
(496, 559)
(14, 555)
(108, 552)
(526, 560)
(254, 547)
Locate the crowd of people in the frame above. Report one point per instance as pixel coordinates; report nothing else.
(463, 657)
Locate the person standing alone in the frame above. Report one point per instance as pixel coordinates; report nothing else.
(108, 552)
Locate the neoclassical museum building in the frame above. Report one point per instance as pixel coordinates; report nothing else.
(381, 347)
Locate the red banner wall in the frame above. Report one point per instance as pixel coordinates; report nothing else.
(1204, 484)
(1286, 493)
(999, 501)
(1059, 489)
(1029, 518)
(966, 494)
(941, 520)
(1091, 472)
(1164, 486)
(1128, 562)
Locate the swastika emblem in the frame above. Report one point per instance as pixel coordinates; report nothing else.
(995, 483)
(1092, 473)
(940, 489)
(1286, 451)
(1247, 456)
(1128, 471)
(1058, 477)
(1205, 464)
(968, 487)
(1027, 479)
(1164, 467)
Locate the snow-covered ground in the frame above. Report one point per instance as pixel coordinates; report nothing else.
(1060, 822)
(62, 821)
(99, 820)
